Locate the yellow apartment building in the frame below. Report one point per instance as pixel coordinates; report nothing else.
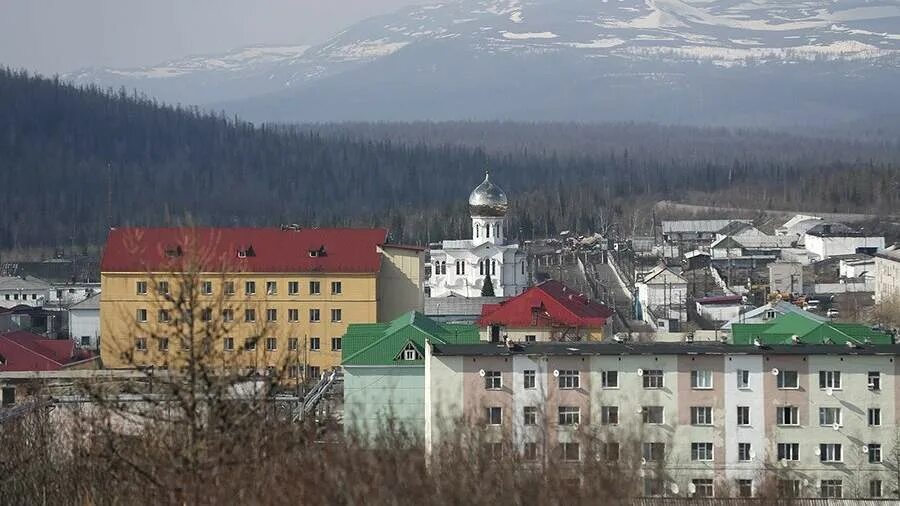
(251, 299)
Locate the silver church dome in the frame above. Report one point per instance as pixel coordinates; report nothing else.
(487, 199)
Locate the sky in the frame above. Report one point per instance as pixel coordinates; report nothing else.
(57, 36)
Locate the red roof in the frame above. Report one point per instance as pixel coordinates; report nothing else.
(546, 304)
(344, 250)
(25, 351)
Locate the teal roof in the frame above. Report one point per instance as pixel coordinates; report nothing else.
(382, 343)
(782, 329)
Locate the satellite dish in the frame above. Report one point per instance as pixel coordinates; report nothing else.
(818, 451)
(829, 391)
(784, 462)
(481, 373)
(692, 488)
(752, 455)
(643, 460)
(775, 371)
(640, 372)
(674, 488)
(865, 449)
(835, 426)
(555, 373)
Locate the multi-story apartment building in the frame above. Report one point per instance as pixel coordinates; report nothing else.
(262, 298)
(699, 419)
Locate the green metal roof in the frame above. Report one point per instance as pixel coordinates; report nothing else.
(782, 329)
(381, 343)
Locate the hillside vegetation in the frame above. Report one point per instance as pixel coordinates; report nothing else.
(75, 161)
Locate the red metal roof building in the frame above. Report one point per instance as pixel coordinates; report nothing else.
(347, 250)
(24, 351)
(549, 311)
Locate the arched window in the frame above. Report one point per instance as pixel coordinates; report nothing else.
(443, 267)
(487, 230)
(496, 230)
(523, 266)
(481, 267)
(493, 267)
(477, 231)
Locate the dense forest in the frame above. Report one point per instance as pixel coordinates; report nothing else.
(75, 161)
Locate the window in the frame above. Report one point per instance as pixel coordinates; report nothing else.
(529, 414)
(530, 451)
(609, 415)
(701, 451)
(569, 379)
(163, 287)
(493, 380)
(653, 452)
(315, 288)
(85, 340)
(206, 314)
(701, 380)
(703, 487)
(249, 315)
(653, 378)
(335, 344)
(530, 338)
(832, 488)
(335, 315)
(164, 344)
(611, 452)
(410, 353)
(787, 415)
(271, 344)
(314, 315)
(140, 288)
(228, 315)
(250, 344)
(570, 452)
(250, 288)
(788, 451)
(830, 452)
(140, 344)
(314, 371)
(701, 415)
(293, 344)
(744, 452)
(293, 315)
(874, 380)
(206, 288)
(271, 315)
(875, 488)
(336, 288)
(163, 315)
(830, 379)
(652, 414)
(788, 379)
(653, 487)
(494, 415)
(293, 287)
(829, 416)
(743, 380)
(271, 288)
(745, 488)
(874, 417)
(874, 453)
(228, 288)
(743, 415)
(228, 344)
(141, 315)
(293, 371)
(569, 415)
(314, 344)
(528, 378)
(789, 488)
(609, 379)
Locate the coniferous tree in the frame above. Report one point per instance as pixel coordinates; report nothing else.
(487, 289)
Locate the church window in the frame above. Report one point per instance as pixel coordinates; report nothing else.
(477, 231)
(481, 267)
(487, 230)
(493, 267)
(496, 230)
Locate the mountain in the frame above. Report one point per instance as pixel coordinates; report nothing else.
(687, 61)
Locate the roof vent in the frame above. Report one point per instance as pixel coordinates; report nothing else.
(246, 252)
(315, 253)
(173, 251)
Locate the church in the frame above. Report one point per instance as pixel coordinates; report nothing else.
(462, 267)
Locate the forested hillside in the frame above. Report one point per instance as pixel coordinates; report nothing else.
(74, 161)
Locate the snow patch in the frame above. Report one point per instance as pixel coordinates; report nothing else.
(596, 44)
(529, 35)
(516, 17)
(366, 49)
(729, 57)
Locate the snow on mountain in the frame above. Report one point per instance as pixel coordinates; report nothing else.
(535, 39)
